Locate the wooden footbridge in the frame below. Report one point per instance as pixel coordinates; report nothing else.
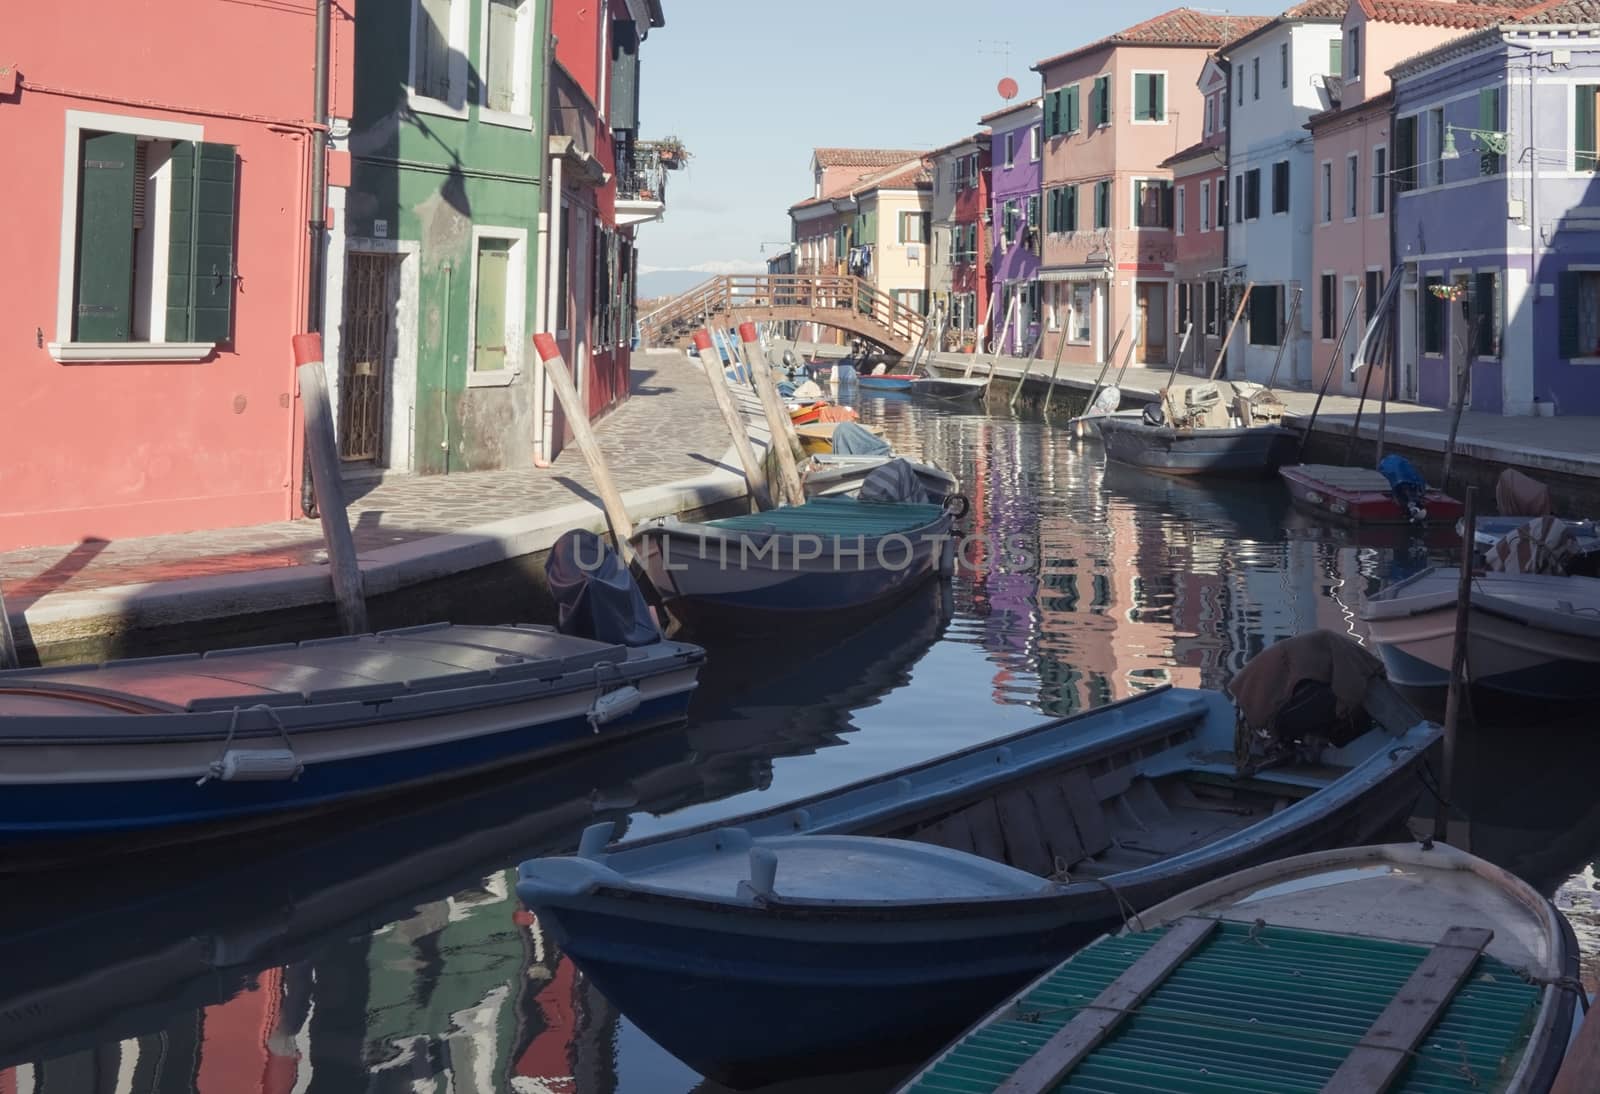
(841, 301)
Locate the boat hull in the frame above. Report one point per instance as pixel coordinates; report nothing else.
(951, 389)
(885, 383)
(1256, 452)
(1358, 496)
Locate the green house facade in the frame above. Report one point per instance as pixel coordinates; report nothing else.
(433, 270)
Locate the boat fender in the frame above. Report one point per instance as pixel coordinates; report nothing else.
(595, 838)
(612, 705)
(763, 875)
(956, 502)
(947, 557)
(800, 819)
(1002, 755)
(790, 359)
(247, 765)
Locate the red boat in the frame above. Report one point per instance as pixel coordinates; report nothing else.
(1359, 495)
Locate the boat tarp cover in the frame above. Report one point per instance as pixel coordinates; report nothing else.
(1264, 687)
(1255, 1009)
(894, 481)
(594, 593)
(850, 439)
(835, 516)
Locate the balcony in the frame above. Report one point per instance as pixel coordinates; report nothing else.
(642, 168)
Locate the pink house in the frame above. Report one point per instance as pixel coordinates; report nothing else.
(1352, 150)
(161, 262)
(1114, 112)
(1200, 225)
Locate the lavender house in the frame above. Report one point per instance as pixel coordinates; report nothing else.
(1014, 206)
(1497, 216)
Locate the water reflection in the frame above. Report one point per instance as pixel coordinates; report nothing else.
(387, 952)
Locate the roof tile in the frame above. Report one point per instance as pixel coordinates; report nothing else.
(1178, 27)
(862, 157)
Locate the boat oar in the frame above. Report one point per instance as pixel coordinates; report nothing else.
(555, 369)
(1327, 377)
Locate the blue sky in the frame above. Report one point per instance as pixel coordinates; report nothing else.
(751, 86)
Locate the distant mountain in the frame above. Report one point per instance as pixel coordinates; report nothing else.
(658, 283)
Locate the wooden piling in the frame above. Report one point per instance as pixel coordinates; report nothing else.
(1327, 376)
(9, 658)
(1055, 371)
(1028, 368)
(1238, 314)
(322, 453)
(555, 368)
(778, 420)
(1450, 789)
(717, 377)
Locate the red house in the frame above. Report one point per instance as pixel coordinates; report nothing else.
(971, 269)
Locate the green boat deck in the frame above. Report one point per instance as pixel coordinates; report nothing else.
(1270, 1010)
(830, 516)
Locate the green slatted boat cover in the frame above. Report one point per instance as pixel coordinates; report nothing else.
(1273, 1011)
(836, 516)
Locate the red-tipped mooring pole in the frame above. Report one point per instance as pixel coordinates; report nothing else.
(322, 453)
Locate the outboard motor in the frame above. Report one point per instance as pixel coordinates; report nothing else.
(595, 596)
(1154, 414)
(1406, 485)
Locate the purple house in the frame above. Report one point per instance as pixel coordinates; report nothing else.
(1497, 218)
(1014, 190)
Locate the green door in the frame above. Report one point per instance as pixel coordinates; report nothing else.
(489, 319)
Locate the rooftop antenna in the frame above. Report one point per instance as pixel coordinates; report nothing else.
(996, 47)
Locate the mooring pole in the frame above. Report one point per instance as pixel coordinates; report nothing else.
(1283, 339)
(778, 420)
(555, 367)
(717, 377)
(9, 658)
(1055, 370)
(1327, 376)
(1028, 368)
(1238, 314)
(322, 453)
(1460, 681)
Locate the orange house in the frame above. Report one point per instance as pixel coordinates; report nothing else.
(160, 258)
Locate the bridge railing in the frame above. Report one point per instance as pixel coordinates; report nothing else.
(817, 294)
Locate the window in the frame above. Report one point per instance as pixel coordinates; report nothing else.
(1336, 57)
(507, 67)
(1033, 210)
(1580, 313)
(1266, 308)
(1372, 293)
(1241, 88)
(1080, 321)
(1061, 112)
(1063, 209)
(148, 222)
(1436, 146)
(1489, 120)
(499, 295)
(1100, 101)
(1255, 78)
(1149, 97)
(1152, 203)
(439, 55)
(1180, 210)
(1280, 186)
(1011, 150)
(1352, 185)
(1586, 150)
(1185, 305)
(1211, 115)
(1008, 223)
(1034, 143)
(1432, 316)
(1327, 193)
(1380, 180)
(1486, 313)
(1222, 203)
(1252, 194)
(1205, 206)
(1211, 307)
(1405, 153)
(913, 228)
(1238, 199)
(913, 300)
(1053, 312)
(1325, 306)
(1283, 65)
(1102, 204)
(1352, 53)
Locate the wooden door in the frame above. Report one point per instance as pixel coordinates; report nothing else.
(369, 340)
(1151, 303)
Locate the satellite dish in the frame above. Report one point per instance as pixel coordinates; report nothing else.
(1008, 88)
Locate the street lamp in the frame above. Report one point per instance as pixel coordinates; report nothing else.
(1493, 141)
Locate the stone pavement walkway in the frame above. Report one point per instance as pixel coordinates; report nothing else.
(667, 431)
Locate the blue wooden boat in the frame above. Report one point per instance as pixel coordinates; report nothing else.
(868, 925)
(164, 745)
(886, 381)
(1399, 968)
(830, 555)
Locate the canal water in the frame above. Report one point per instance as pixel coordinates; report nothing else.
(386, 951)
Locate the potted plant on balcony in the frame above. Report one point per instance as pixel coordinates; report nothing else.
(672, 152)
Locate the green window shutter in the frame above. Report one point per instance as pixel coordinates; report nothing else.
(1142, 107)
(1103, 94)
(1570, 309)
(1489, 121)
(215, 191)
(180, 245)
(1072, 208)
(1336, 57)
(1484, 308)
(103, 308)
(1052, 114)
(1583, 141)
